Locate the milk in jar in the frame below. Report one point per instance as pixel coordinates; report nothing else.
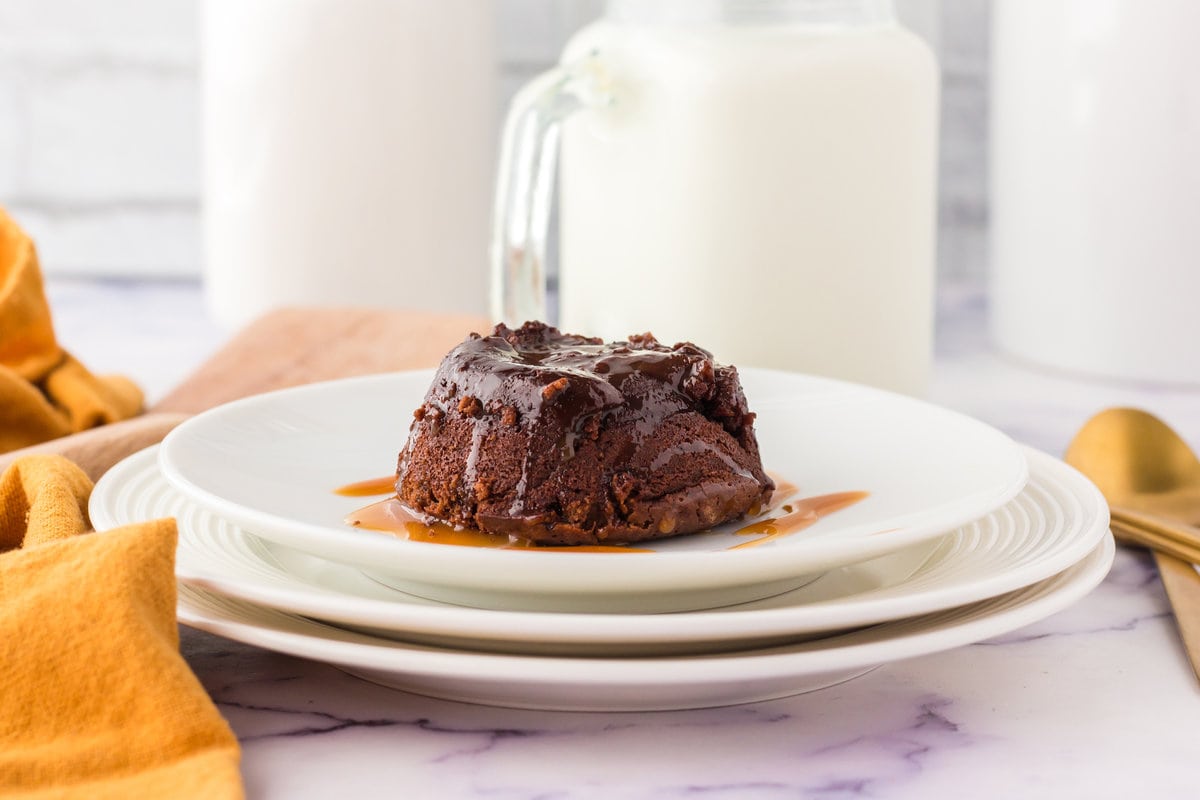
(762, 184)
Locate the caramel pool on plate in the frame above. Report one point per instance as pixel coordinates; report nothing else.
(390, 516)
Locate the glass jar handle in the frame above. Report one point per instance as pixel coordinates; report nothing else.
(525, 183)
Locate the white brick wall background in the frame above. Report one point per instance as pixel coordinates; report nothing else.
(99, 124)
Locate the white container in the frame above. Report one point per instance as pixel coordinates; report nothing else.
(757, 177)
(348, 153)
(1096, 186)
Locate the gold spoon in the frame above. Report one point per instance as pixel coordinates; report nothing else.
(1149, 476)
(1147, 472)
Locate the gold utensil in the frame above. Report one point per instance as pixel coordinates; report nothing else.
(1159, 527)
(1142, 465)
(1141, 461)
(1133, 534)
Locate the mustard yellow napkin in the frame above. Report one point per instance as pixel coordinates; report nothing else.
(95, 700)
(44, 392)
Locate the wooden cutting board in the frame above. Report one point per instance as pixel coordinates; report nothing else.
(302, 345)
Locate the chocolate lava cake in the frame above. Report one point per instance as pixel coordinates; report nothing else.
(567, 440)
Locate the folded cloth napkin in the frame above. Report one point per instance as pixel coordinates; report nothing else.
(44, 392)
(95, 700)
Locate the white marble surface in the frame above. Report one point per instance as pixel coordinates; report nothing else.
(1096, 701)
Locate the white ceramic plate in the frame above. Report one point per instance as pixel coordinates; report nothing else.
(1054, 522)
(269, 464)
(639, 684)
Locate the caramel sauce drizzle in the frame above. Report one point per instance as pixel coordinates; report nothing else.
(783, 488)
(369, 488)
(798, 515)
(390, 516)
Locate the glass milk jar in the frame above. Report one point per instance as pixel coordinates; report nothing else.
(756, 176)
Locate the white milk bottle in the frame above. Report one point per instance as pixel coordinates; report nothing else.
(1095, 147)
(756, 176)
(348, 154)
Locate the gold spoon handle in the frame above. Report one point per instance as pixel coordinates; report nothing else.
(1164, 527)
(1132, 534)
(1175, 562)
(1182, 583)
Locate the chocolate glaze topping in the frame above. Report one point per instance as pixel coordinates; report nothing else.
(567, 439)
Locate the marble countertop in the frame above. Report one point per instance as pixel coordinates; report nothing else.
(1095, 701)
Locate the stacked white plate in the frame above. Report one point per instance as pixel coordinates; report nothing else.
(963, 535)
